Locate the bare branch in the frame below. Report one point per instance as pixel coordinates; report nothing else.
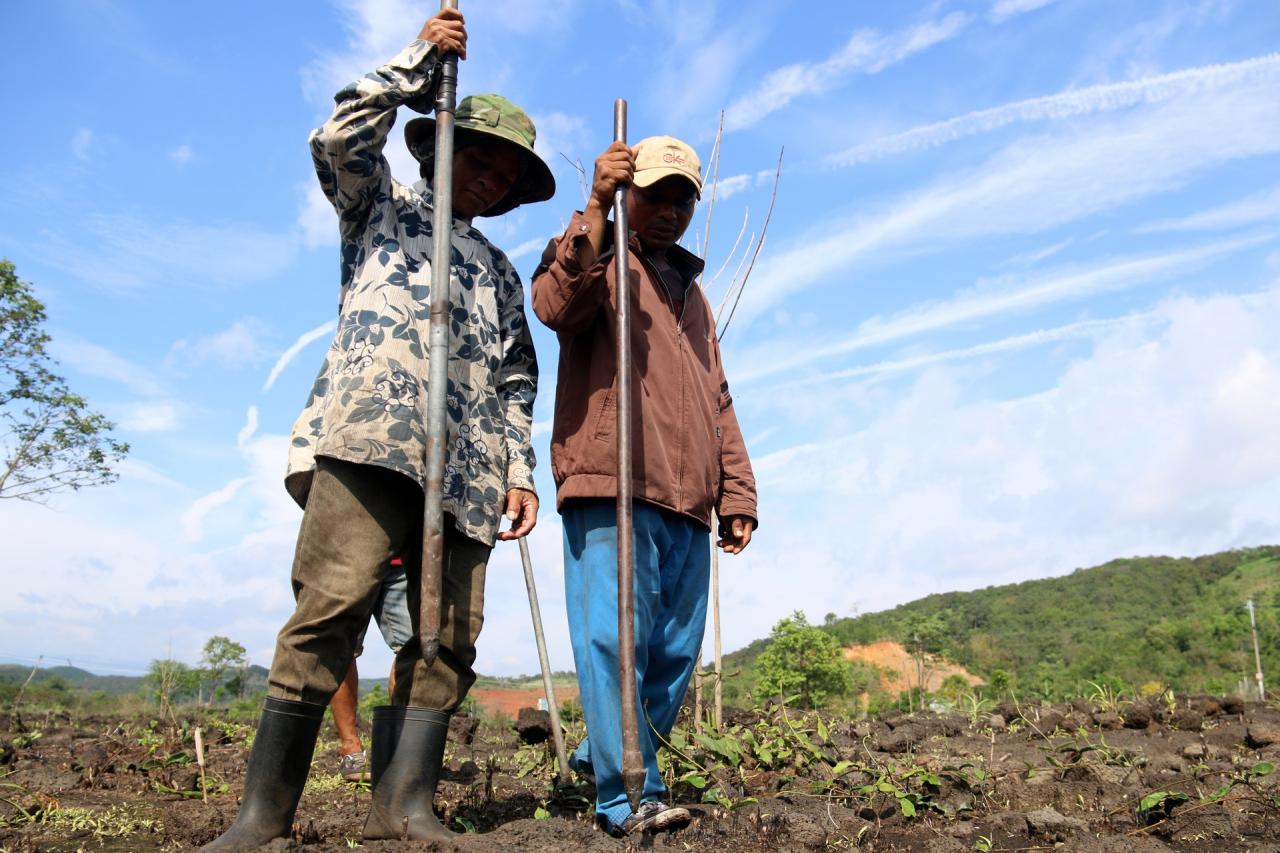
(733, 282)
(714, 168)
(746, 215)
(583, 181)
(777, 176)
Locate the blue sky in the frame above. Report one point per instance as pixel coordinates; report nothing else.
(1015, 313)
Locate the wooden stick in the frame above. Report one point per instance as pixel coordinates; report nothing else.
(552, 708)
(717, 718)
(697, 694)
(204, 789)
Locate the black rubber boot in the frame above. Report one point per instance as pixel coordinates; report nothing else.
(407, 751)
(277, 770)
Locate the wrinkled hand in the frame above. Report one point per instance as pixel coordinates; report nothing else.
(446, 30)
(735, 533)
(617, 165)
(522, 510)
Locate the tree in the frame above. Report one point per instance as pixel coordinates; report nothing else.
(922, 636)
(805, 661)
(51, 440)
(221, 656)
(168, 680)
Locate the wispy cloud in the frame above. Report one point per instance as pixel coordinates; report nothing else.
(1013, 343)
(528, 247)
(124, 254)
(192, 520)
(238, 345)
(81, 141)
(150, 416)
(95, 360)
(1011, 297)
(1118, 160)
(1092, 99)
(250, 427)
(181, 155)
(866, 52)
(1002, 10)
(1263, 207)
(735, 184)
(301, 343)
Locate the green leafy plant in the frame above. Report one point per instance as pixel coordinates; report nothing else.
(803, 661)
(1107, 698)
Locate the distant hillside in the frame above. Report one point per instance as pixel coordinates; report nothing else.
(1179, 622)
(112, 685)
(256, 680)
(73, 676)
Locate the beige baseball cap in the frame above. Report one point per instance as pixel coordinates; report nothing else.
(658, 157)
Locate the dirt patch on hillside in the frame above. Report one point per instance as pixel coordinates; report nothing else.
(898, 667)
(506, 702)
(1194, 775)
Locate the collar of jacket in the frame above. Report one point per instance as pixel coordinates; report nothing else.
(689, 265)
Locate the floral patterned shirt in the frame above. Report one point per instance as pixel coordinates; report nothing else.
(368, 402)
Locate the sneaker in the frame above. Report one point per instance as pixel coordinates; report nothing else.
(353, 767)
(653, 816)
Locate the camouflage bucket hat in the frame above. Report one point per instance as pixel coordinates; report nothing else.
(491, 115)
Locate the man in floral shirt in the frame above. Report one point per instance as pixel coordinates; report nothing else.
(356, 461)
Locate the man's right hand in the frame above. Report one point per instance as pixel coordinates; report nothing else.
(447, 31)
(617, 165)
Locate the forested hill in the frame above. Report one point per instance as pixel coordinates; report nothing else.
(1180, 622)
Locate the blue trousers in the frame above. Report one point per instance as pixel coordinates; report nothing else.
(672, 569)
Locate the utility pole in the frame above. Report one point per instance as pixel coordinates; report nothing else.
(1257, 655)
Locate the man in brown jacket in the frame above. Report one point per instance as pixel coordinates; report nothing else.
(690, 459)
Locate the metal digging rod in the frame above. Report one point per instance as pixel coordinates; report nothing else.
(552, 707)
(438, 364)
(632, 764)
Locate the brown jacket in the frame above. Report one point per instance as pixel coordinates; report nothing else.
(689, 452)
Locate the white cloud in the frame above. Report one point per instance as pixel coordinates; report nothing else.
(1263, 207)
(181, 155)
(150, 416)
(236, 346)
(301, 343)
(94, 360)
(131, 469)
(735, 184)
(249, 428)
(1077, 102)
(1115, 162)
(1161, 440)
(528, 247)
(316, 217)
(193, 519)
(1040, 337)
(994, 299)
(1002, 10)
(124, 254)
(81, 141)
(866, 52)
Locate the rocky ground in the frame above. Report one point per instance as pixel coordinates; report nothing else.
(1105, 775)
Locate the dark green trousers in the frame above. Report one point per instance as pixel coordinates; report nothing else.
(357, 517)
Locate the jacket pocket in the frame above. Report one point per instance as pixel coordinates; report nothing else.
(607, 418)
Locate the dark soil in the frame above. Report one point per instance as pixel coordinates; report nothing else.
(1063, 777)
